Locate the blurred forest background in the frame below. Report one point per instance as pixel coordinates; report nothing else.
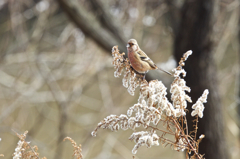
(56, 77)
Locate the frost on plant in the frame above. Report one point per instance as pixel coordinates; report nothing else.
(24, 150)
(154, 108)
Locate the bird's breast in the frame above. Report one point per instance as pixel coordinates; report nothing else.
(137, 63)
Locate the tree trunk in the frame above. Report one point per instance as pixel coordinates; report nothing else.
(194, 33)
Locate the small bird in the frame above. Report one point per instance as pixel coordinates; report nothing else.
(140, 62)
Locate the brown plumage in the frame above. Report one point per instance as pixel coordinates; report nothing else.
(139, 60)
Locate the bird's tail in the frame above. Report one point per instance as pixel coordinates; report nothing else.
(166, 71)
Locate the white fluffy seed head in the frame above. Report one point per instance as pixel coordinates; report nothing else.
(198, 107)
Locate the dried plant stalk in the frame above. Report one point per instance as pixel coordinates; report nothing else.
(24, 150)
(1, 155)
(77, 152)
(154, 108)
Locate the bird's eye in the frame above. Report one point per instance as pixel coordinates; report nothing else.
(132, 43)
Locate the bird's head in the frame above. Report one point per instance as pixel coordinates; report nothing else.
(132, 45)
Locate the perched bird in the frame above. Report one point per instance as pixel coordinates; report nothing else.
(140, 62)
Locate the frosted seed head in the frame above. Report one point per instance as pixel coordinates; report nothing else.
(94, 133)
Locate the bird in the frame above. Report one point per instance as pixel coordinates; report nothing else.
(139, 60)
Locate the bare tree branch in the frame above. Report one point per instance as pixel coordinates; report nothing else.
(106, 20)
(86, 22)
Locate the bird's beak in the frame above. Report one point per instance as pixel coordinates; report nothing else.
(128, 45)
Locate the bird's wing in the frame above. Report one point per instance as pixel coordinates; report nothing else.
(145, 58)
